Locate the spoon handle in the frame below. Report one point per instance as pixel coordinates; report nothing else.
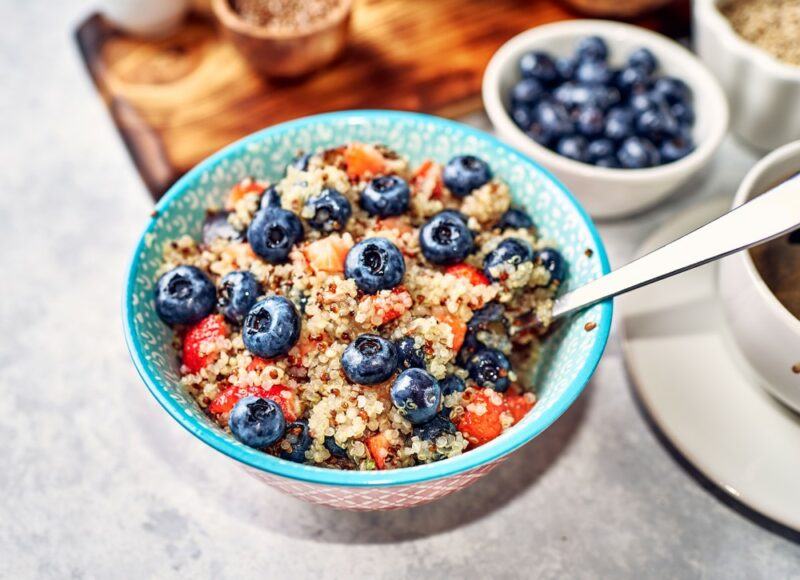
(768, 216)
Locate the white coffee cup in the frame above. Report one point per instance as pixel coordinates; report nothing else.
(763, 330)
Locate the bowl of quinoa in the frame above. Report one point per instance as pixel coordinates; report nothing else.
(356, 306)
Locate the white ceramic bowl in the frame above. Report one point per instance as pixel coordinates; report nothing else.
(764, 93)
(609, 193)
(765, 332)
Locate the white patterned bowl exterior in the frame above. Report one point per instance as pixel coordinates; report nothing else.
(568, 358)
(610, 193)
(763, 92)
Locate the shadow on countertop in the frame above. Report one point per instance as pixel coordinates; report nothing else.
(512, 477)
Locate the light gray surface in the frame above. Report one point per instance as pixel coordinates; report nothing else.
(97, 482)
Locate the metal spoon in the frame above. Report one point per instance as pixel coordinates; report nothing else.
(764, 218)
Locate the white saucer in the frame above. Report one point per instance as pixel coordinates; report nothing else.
(694, 385)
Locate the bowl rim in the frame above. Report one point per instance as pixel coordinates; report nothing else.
(709, 11)
(662, 45)
(229, 18)
(476, 458)
(745, 193)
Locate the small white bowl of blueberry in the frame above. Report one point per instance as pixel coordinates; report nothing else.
(622, 116)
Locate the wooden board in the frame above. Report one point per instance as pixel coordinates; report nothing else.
(177, 100)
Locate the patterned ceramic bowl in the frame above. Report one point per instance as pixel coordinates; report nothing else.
(568, 359)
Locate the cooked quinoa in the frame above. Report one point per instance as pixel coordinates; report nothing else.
(432, 304)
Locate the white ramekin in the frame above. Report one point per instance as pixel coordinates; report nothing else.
(764, 93)
(610, 193)
(763, 330)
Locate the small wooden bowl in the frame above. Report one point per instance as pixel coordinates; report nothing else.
(281, 53)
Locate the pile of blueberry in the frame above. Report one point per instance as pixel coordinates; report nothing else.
(583, 109)
(271, 325)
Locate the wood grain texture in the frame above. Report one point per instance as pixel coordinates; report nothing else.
(179, 99)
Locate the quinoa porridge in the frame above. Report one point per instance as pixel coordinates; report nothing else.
(361, 313)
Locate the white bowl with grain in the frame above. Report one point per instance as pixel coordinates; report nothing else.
(604, 192)
(764, 92)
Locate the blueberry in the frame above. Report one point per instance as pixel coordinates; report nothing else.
(515, 219)
(539, 66)
(553, 262)
(330, 211)
(435, 428)
(370, 359)
(526, 92)
(257, 422)
(270, 198)
(300, 162)
(683, 113)
(554, 119)
(675, 149)
(408, 355)
(445, 239)
(619, 124)
(510, 251)
(464, 173)
(299, 439)
(600, 149)
(672, 90)
(272, 327)
(417, 395)
(566, 67)
(609, 162)
(643, 59)
(456, 214)
(539, 135)
(334, 448)
(184, 295)
(592, 48)
(216, 226)
(523, 117)
(484, 318)
(452, 384)
(593, 72)
(385, 196)
(489, 369)
(273, 232)
(573, 95)
(637, 153)
(573, 147)
(632, 79)
(656, 125)
(237, 294)
(590, 122)
(641, 102)
(375, 264)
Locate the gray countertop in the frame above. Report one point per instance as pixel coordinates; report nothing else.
(97, 482)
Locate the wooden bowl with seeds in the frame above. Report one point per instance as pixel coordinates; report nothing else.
(285, 38)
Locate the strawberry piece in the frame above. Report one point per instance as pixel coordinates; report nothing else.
(458, 326)
(199, 342)
(328, 254)
(519, 406)
(428, 176)
(481, 420)
(226, 399)
(471, 273)
(286, 398)
(238, 191)
(363, 161)
(379, 449)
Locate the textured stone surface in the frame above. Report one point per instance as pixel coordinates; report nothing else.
(97, 482)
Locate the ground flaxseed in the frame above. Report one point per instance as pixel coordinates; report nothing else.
(772, 25)
(284, 14)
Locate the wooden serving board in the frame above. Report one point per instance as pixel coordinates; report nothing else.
(177, 100)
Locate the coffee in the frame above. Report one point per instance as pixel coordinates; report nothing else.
(778, 263)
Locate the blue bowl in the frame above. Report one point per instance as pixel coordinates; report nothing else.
(568, 358)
